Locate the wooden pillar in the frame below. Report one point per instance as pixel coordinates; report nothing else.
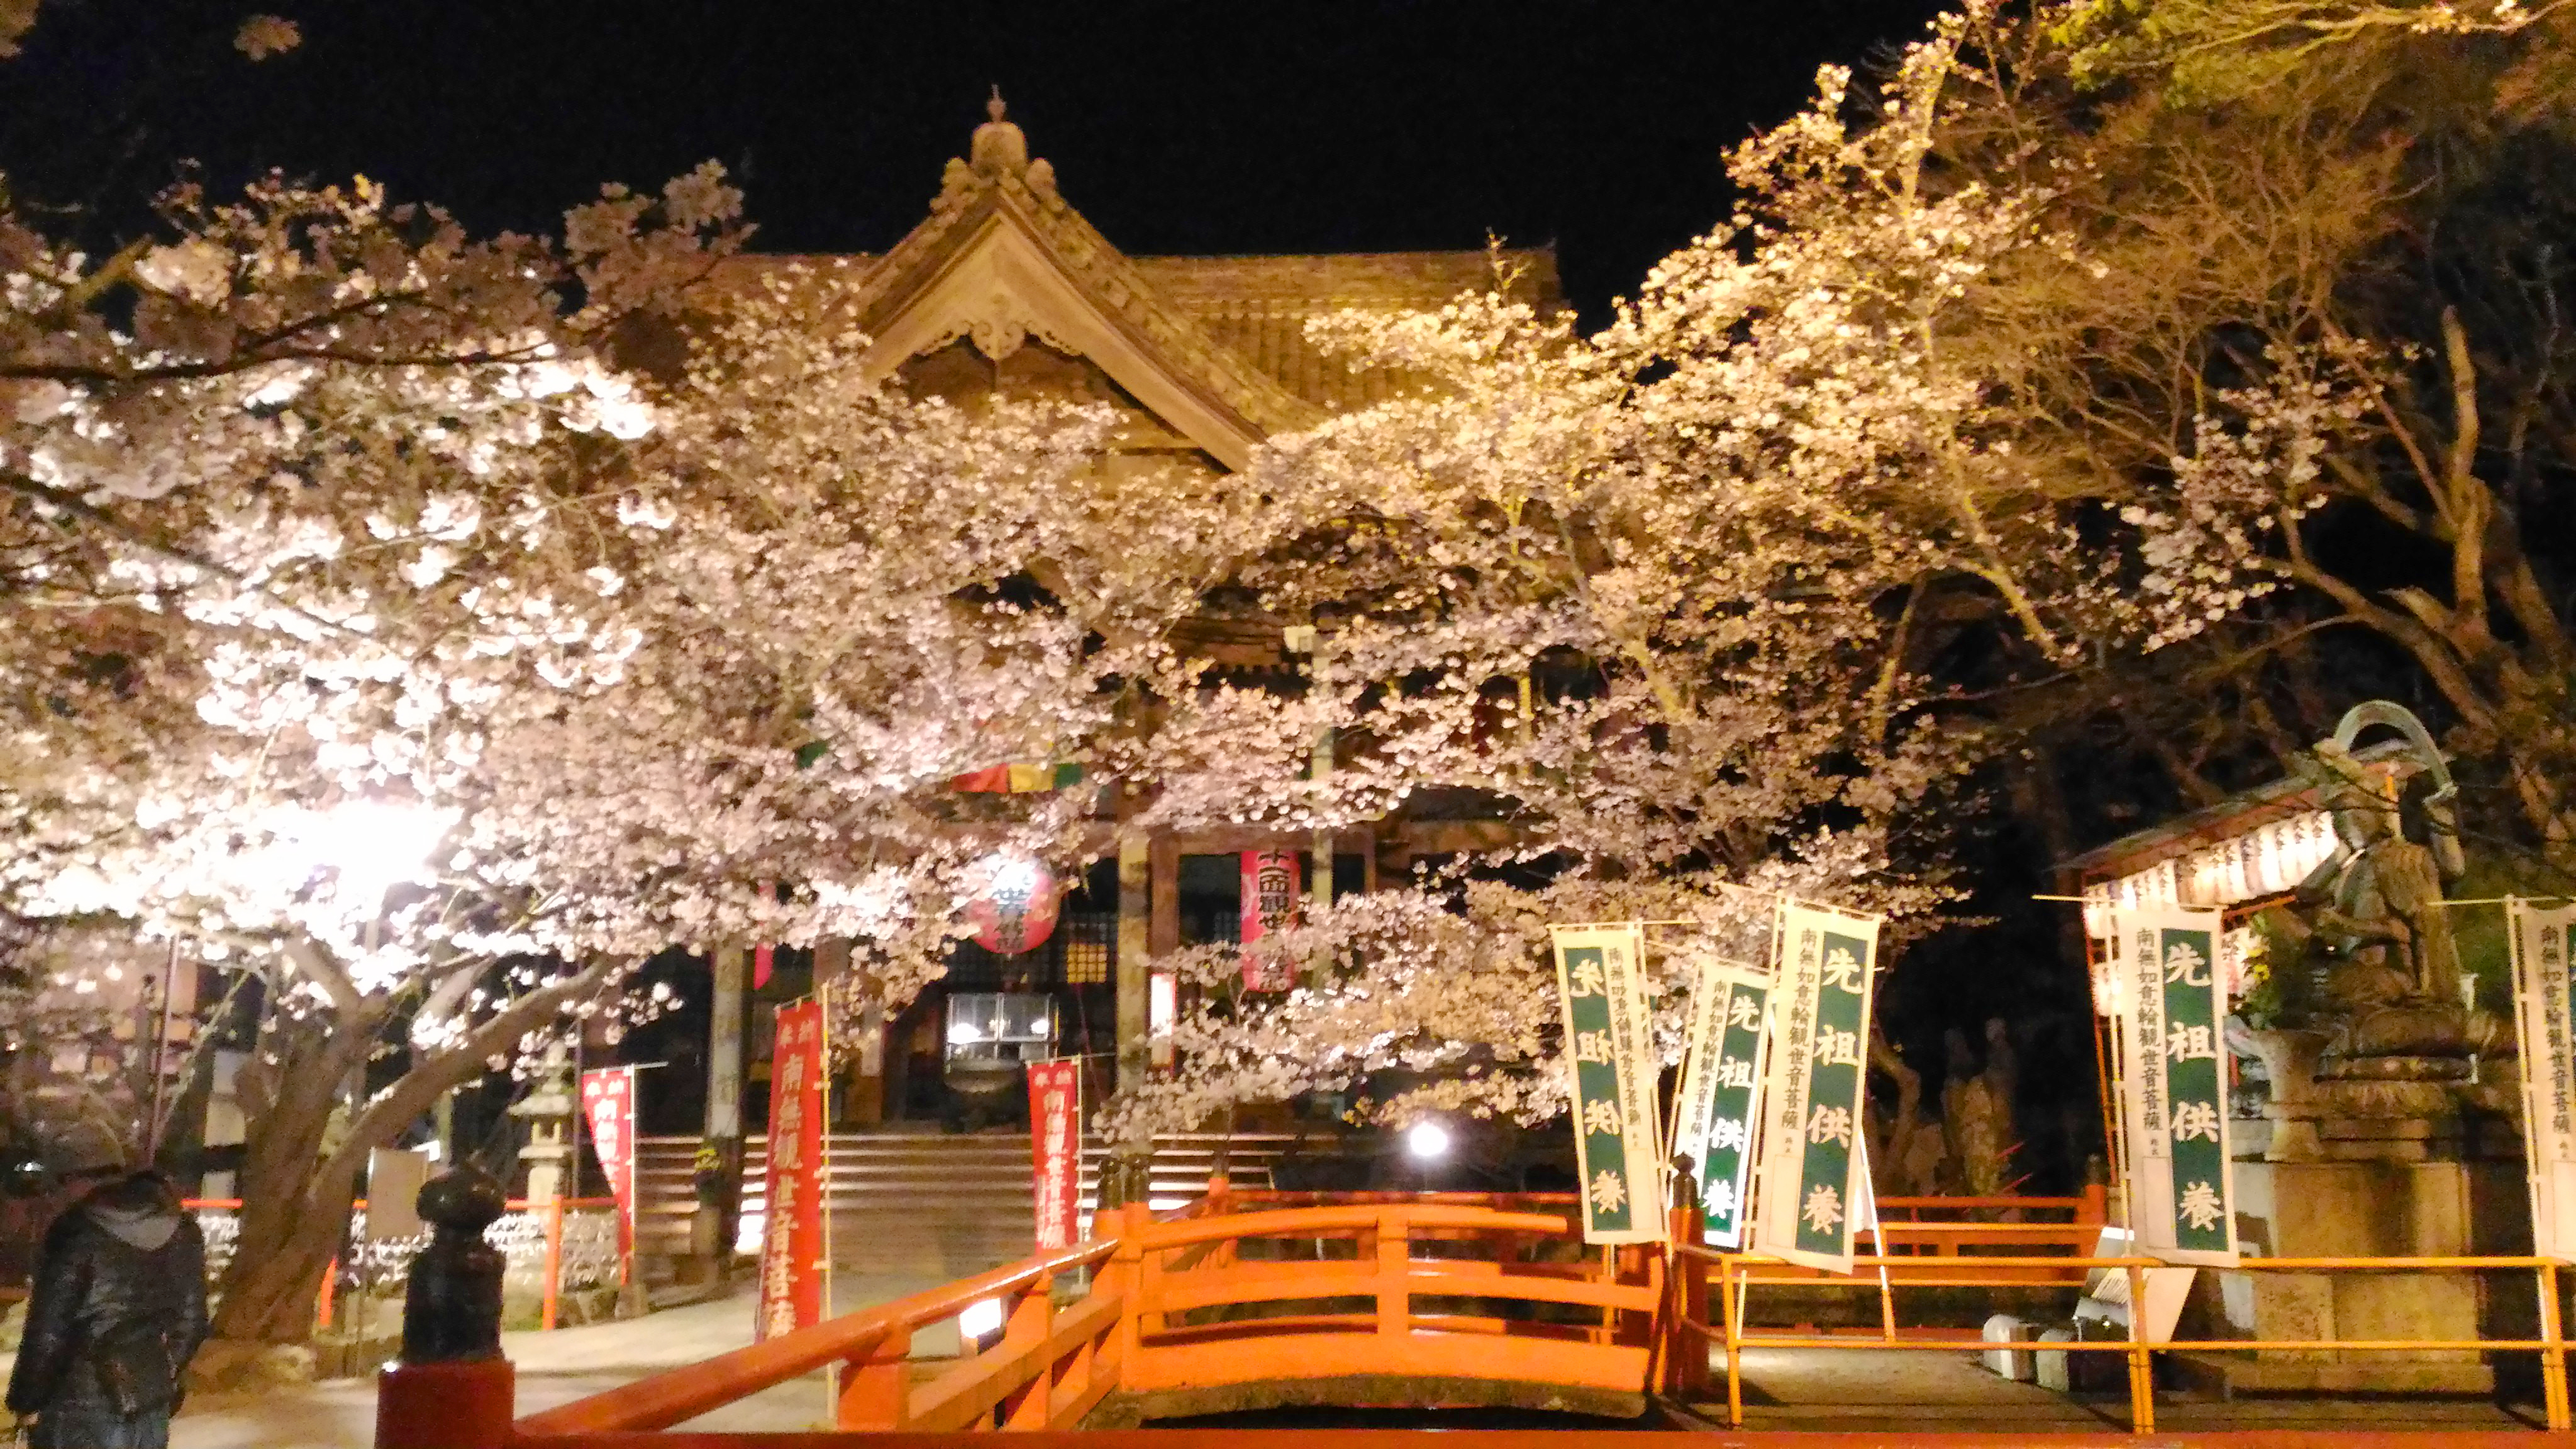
(862, 1097)
(1135, 925)
(1320, 768)
(1164, 935)
(1165, 860)
(712, 1237)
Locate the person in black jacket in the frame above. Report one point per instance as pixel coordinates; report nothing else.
(117, 1309)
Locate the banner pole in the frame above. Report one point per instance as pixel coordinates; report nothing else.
(823, 1175)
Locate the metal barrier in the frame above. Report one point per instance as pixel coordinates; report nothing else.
(536, 1238)
(1738, 1272)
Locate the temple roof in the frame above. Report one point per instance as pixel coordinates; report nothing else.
(1215, 346)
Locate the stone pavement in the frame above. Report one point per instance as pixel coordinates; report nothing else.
(1864, 1390)
(555, 1368)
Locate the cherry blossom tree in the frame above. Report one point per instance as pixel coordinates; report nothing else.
(295, 515)
(1457, 986)
(1744, 527)
(434, 647)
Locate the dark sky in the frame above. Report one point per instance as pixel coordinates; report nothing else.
(1176, 127)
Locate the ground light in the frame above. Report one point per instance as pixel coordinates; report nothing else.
(1426, 1141)
(981, 1321)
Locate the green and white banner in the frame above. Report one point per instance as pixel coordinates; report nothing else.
(2172, 1007)
(1814, 1185)
(1609, 1044)
(1721, 1091)
(2547, 1017)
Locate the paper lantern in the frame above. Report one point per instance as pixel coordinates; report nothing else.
(1016, 913)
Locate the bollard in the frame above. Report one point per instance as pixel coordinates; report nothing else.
(2010, 1363)
(452, 1388)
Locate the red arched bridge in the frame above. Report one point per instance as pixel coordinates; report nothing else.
(1256, 1301)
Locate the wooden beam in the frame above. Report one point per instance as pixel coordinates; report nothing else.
(1165, 860)
(1135, 923)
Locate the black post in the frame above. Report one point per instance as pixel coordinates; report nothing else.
(452, 1306)
(452, 1389)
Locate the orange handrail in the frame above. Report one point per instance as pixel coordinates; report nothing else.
(1052, 1365)
(682, 1394)
(1310, 1222)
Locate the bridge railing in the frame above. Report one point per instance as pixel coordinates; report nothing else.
(1047, 1368)
(1201, 1299)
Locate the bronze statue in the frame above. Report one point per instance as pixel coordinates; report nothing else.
(2389, 982)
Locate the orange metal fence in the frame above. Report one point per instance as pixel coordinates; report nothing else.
(1736, 1273)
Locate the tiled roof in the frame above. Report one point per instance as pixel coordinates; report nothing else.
(1256, 307)
(1249, 311)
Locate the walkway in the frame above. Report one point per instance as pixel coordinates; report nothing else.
(1861, 1391)
(554, 1368)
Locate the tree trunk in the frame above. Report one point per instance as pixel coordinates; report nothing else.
(293, 1210)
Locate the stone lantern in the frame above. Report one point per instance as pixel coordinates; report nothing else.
(548, 1111)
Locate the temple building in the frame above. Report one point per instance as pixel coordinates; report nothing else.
(1005, 286)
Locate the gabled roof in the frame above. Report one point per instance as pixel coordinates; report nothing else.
(999, 262)
(1214, 346)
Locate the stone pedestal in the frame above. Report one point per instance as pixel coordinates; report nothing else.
(2388, 1188)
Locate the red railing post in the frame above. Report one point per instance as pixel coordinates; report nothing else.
(2095, 1208)
(554, 1261)
(1032, 1324)
(1394, 1266)
(1128, 1270)
(1686, 1297)
(876, 1391)
(446, 1405)
(1220, 1202)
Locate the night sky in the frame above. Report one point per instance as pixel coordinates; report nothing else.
(1177, 128)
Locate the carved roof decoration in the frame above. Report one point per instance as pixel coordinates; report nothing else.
(1215, 346)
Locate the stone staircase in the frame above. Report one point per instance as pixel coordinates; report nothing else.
(925, 1204)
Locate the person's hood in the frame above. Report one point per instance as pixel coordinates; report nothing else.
(139, 1211)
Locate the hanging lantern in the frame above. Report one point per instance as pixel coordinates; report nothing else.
(2097, 911)
(1016, 912)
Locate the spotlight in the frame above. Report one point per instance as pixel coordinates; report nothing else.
(981, 1320)
(1427, 1141)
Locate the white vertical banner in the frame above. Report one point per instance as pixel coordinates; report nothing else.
(1814, 1179)
(1720, 1099)
(2172, 1007)
(2548, 1037)
(1609, 1052)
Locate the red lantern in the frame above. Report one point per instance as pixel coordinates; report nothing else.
(1016, 912)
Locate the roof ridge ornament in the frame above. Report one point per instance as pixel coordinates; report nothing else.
(998, 151)
(999, 148)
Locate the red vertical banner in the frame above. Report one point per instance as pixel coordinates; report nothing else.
(608, 1105)
(1270, 897)
(792, 1249)
(764, 957)
(1055, 1150)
